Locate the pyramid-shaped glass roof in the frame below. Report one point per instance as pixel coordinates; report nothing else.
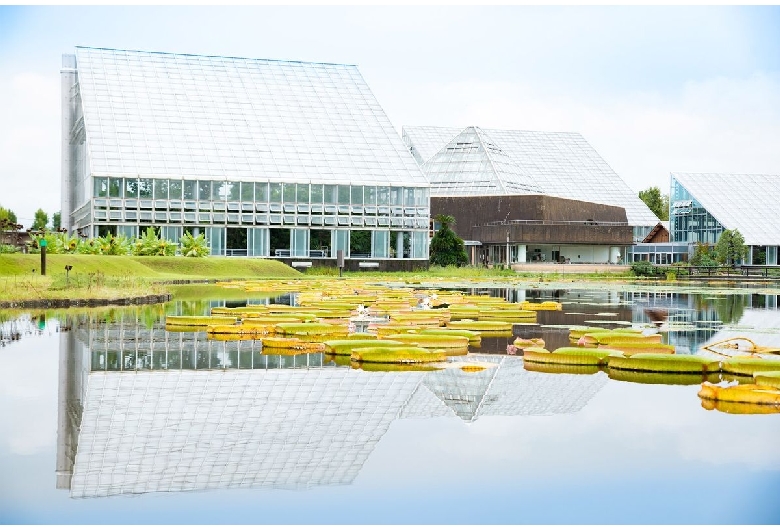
(748, 203)
(472, 164)
(560, 164)
(166, 114)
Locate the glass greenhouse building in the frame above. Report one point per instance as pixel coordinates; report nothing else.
(267, 158)
(558, 164)
(703, 205)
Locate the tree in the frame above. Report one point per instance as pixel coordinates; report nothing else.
(703, 256)
(446, 247)
(6, 214)
(658, 203)
(56, 221)
(730, 247)
(41, 220)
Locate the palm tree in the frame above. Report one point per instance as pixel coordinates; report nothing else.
(444, 220)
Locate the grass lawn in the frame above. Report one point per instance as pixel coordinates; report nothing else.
(112, 277)
(119, 276)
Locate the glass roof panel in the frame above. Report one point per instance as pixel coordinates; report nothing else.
(748, 203)
(199, 116)
(560, 164)
(471, 164)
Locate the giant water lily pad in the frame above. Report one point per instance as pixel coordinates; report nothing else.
(660, 362)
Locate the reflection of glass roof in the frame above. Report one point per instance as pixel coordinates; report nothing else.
(173, 429)
(748, 203)
(183, 430)
(506, 389)
(560, 164)
(149, 113)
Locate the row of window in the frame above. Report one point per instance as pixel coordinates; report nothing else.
(251, 207)
(206, 190)
(257, 219)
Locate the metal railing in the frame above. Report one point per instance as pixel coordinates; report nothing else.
(725, 270)
(546, 222)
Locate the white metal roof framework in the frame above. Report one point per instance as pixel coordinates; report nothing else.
(560, 164)
(166, 114)
(471, 164)
(748, 203)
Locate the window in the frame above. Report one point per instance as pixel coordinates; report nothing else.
(204, 190)
(101, 187)
(145, 188)
(115, 187)
(161, 189)
(190, 190)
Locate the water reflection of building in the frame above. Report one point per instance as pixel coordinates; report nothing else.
(163, 427)
(762, 326)
(506, 389)
(691, 320)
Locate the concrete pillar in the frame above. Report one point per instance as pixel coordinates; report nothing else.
(67, 82)
(521, 253)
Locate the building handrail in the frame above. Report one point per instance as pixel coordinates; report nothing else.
(546, 222)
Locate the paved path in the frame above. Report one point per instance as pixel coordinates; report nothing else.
(570, 268)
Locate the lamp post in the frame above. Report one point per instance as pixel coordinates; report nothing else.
(42, 243)
(507, 248)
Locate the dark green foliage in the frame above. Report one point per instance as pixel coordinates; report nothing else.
(703, 256)
(446, 247)
(658, 203)
(56, 221)
(360, 242)
(730, 247)
(645, 268)
(730, 308)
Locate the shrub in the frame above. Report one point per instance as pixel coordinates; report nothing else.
(644, 268)
(111, 245)
(151, 245)
(194, 247)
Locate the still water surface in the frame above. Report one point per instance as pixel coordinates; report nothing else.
(218, 433)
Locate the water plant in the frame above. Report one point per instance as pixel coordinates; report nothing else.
(397, 354)
(663, 362)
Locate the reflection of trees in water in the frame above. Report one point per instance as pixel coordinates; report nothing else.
(193, 308)
(730, 308)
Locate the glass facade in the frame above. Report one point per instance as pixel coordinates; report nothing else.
(689, 221)
(179, 141)
(703, 205)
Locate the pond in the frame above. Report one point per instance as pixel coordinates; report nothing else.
(108, 418)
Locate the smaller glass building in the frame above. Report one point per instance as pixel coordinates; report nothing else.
(703, 205)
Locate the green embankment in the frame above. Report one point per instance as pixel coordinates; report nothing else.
(152, 267)
(118, 277)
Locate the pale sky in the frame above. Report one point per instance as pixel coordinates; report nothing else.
(653, 89)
